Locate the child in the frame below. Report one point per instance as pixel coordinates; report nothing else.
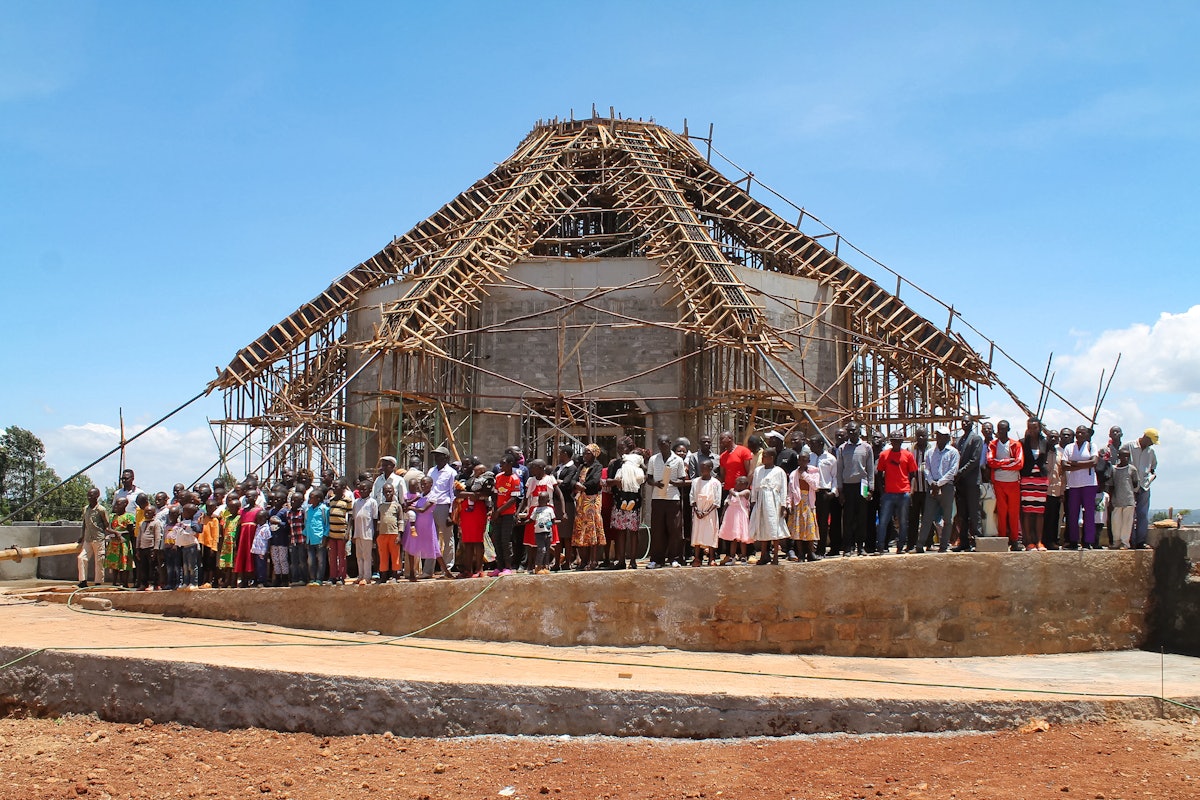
(768, 492)
(119, 555)
(365, 512)
(1125, 481)
(802, 500)
(188, 545)
(172, 559)
(387, 536)
(150, 535)
(243, 560)
(230, 522)
(705, 500)
(473, 517)
(421, 541)
(341, 506)
(735, 528)
(259, 544)
(316, 529)
(543, 520)
(281, 537)
(539, 482)
(210, 539)
(298, 546)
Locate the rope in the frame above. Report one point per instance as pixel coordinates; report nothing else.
(325, 640)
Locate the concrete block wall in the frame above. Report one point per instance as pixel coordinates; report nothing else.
(32, 534)
(979, 604)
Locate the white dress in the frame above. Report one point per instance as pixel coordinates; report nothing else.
(768, 492)
(706, 496)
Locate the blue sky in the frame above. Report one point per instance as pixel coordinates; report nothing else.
(178, 176)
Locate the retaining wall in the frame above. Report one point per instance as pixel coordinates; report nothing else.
(33, 534)
(977, 604)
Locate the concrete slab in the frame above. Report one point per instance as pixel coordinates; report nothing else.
(991, 544)
(127, 667)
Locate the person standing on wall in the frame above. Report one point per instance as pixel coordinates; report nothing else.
(966, 486)
(855, 473)
(91, 538)
(1145, 461)
(1005, 458)
(441, 497)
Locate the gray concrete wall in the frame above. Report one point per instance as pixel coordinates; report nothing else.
(981, 604)
(32, 534)
(613, 350)
(131, 690)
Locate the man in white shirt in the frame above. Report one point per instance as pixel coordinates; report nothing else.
(441, 496)
(941, 468)
(387, 474)
(666, 473)
(128, 489)
(829, 511)
(1145, 460)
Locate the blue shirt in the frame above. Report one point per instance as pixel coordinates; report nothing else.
(316, 523)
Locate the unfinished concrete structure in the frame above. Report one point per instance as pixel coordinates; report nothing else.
(604, 279)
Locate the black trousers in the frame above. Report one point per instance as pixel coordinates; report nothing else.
(915, 510)
(856, 517)
(967, 497)
(666, 529)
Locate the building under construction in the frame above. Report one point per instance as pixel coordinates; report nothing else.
(605, 279)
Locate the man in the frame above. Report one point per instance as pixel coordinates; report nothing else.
(966, 486)
(441, 497)
(682, 549)
(1005, 458)
(566, 472)
(920, 488)
(666, 472)
(829, 511)
(786, 458)
(414, 472)
(941, 469)
(855, 474)
(91, 537)
(1109, 456)
(387, 475)
(129, 491)
(734, 461)
(987, 492)
(705, 453)
(897, 467)
(1143, 458)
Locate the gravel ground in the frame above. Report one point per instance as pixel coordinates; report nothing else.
(80, 756)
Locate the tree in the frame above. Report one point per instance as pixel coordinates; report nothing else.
(24, 475)
(1159, 516)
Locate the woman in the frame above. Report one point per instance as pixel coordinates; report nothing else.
(768, 493)
(1054, 492)
(626, 474)
(1079, 464)
(588, 535)
(1035, 483)
(476, 497)
(118, 556)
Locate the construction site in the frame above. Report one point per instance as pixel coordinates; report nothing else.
(605, 279)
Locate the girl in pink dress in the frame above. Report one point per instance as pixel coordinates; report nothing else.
(735, 528)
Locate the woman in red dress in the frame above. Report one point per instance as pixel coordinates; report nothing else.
(476, 498)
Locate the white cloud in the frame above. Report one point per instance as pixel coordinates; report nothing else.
(1158, 358)
(160, 458)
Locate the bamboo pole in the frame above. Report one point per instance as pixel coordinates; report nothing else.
(43, 551)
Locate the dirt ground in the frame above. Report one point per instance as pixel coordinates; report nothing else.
(80, 756)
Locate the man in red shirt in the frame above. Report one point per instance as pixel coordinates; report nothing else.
(734, 460)
(898, 466)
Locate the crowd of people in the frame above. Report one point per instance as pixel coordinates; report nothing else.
(773, 497)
